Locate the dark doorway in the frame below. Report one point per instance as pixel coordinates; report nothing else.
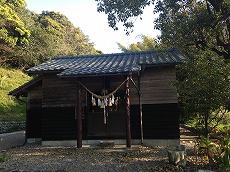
(107, 122)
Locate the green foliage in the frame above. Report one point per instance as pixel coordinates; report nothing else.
(208, 148)
(184, 24)
(10, 107)
(124, 11)
(51, 34)
(216, 152)
(219, 123)
(12, 29)
(195, 24)
(223, 129)
(60, 37)
(147, 43)
(3, 156)
(203, 86)
(223, 157)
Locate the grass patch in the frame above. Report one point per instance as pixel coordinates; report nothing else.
(3, 156)
(10, 108)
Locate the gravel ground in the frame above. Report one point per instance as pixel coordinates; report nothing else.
(70, 159)
(37, 158)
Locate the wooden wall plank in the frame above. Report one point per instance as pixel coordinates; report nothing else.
(58, 92)
(35, 98)
(156, 86)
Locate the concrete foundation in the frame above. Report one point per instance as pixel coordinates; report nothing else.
(33, 140)
(147, 142)
(10, 140)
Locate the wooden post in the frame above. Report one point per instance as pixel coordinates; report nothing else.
(128, 128)
(79, 120)
(140, 106)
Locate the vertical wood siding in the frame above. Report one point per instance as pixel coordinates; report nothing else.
(156, 86)
(35, 97)
(58, 92)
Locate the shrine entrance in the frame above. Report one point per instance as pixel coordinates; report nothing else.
(107, 118)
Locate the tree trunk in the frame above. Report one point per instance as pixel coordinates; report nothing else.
(206, 124)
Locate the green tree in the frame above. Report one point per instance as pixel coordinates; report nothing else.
(195, 24)
(69, 40)
(203, 86)
(52, 34)
(184, 24)
(124, 11)
(12, 29)
(146, 43)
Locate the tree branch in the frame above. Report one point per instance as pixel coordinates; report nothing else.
(221, 53)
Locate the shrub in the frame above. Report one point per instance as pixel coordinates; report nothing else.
(223, 157)
(217, 153)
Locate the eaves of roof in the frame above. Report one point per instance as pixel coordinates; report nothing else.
(108, 64)
(23, 89)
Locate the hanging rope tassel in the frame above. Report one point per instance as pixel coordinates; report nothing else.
(102, 104)
(110, 102)
(93, 101)
(113, 99)
(99, 102)
(103, 101)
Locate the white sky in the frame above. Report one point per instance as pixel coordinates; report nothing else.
(83, 14)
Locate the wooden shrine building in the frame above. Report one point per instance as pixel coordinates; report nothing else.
(125, 97)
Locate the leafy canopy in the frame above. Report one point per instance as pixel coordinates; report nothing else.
(184, 24)
(50, 34)
(203, 86)
(146, 43)
(124, 11)
(12, 29)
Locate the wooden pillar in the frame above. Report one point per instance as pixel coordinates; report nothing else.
(79, 116)
(140, 106)
(128, 128)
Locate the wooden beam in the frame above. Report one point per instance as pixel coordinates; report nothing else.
(128, 128)
(79, 116)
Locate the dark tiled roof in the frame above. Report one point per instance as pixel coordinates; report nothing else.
(108, 63)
